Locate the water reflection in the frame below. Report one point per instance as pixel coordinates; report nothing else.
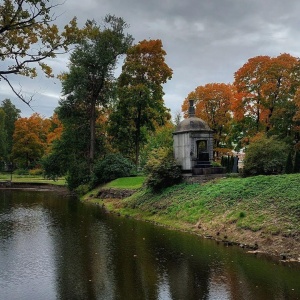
(53, 247)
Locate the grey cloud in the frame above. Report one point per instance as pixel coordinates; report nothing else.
(205, 40)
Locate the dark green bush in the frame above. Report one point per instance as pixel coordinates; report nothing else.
(289, 164)
(21, 172)
(162, 169)
(78, 174)
(265, 156)
(113, 166)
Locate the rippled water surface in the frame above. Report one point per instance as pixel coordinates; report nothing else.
(54, 247)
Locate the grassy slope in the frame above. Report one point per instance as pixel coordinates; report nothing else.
(240, 209)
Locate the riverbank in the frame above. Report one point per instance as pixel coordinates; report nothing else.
(34, 186)
(260, 214)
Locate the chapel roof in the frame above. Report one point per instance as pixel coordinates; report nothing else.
(192, 124)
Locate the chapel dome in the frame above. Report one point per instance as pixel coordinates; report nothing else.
(192, 124)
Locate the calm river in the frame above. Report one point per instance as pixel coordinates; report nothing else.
(54, 247)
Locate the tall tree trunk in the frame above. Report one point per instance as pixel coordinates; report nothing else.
(92, 135)
(137, 135)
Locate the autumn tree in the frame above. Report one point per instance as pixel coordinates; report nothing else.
(140, 97)
(28, 37)
(55, 131)
(213, 105)
(87, 85)
(30, 140)
(266, 87)
(11, 115)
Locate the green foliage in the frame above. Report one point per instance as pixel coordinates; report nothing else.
(265, 156)
(35, 172)
(161, 138)
(3, 135)
(216, 164)
(56, 163)
(82, 189)
(11, 115)
(78, 174)
(162, 169)
(140, 107)
(289, 164)
(112, 166)
(21, 172)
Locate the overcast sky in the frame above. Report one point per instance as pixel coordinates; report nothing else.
(206, 40)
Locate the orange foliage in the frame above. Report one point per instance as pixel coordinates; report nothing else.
(30, 138)
(55, 131)
(213, 103)
(264, 86)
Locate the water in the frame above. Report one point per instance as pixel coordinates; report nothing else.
(54, 247)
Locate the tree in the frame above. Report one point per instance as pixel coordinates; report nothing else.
(11, 115)
(267, 86)
(213, 105)
(30, 140)
(162, 137)
(140, 90)
(87, 84)
(265, 156)
(28, 36)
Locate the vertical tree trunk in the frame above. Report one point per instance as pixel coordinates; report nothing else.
(137, 136)
(92, 134)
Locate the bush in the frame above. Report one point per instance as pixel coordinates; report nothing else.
(35, 172)
(265, 156)
(21, 172)
(289, 164)
(113, 166)
(78, 174)
(82, 189)
(162, 169)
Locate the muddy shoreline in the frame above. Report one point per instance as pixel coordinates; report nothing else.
(33, 186)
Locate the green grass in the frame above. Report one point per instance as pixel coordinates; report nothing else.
(31, 179)
(127, 183)
(267, 203)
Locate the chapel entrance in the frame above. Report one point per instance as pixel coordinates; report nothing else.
(202, 153)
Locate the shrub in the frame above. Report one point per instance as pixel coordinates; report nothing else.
(78, 174)
(82, 189)
(113, 166)
(265, 156)
(35, 172)
(216, 164)
(162, 169)
(21, 172)
(289, 164)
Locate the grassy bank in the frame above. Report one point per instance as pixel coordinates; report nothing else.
(262, 210)
(31, 179)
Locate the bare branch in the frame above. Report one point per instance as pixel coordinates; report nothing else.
(18, 94)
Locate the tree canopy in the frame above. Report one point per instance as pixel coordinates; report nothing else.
(28, 37)
(140, 102)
